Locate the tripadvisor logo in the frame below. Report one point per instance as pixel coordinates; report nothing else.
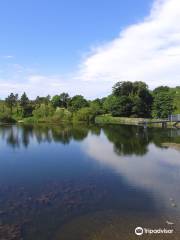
(140, 231)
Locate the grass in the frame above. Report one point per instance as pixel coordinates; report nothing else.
(176, 95)
(32, 120)
(108, 119)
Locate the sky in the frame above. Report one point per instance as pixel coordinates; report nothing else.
(84, 47)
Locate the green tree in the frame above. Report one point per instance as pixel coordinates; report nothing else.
(64, 98)
(6, 115)
(122, 107)
(40, 100)
(43, 111)
(62, 115)
(142, 100)
(163, 104)
(83, 114)
(77, 102)
(138, 87)
(161, 89)
(56, 101)
(11, 101)
(123, 88)
(109, 102)
(26, 106)
(132, 99)
(118, 106)
(24, 101)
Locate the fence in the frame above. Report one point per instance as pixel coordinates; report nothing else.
(174, 118)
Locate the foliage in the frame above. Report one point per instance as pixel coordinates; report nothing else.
(43, 111)
(64, 98)
(162, 105)
(109, 102)
(24, 101)
(176, 99)
(83, 114)
(161, 89)
(11, 101)
(77, 102)
(128, 99)
(122, 107)
(56, 101)
(62, 115)
(61, 100)
(123, 88)
(6, 115)
(26, 106)
(40, 100)
(88, 114)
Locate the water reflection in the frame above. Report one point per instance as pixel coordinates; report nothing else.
(21, 136)
(50, 175)
(157, 172)
(127, 140)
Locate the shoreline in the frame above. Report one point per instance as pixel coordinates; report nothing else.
(108, 119)
(105, 119)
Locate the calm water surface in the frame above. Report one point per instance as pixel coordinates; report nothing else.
(79, 182)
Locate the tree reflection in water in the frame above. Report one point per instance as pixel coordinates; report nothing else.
(127, 140)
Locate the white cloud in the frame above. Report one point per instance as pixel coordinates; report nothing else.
(8, 56)
(148, 51)
(40, 85)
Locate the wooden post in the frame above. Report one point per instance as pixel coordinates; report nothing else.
(164, 124)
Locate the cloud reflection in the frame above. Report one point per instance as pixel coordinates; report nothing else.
(158, 171)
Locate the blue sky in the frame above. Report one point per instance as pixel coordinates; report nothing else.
(52, 43)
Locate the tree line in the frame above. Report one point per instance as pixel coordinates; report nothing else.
(128, 99)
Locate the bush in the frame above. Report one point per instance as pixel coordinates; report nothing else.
(43, 111)
(6, 118)
(62, 114)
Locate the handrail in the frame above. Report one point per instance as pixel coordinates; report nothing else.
(174, 118)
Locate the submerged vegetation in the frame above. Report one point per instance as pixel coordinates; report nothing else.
(132, 100)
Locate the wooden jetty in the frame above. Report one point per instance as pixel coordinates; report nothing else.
(175, 119)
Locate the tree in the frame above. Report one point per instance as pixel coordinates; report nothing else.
(161, 89)
(163, 105)
(64, 98)
(122, 107)
(109, 102)
(43, 111)
(24, 101)
(62, 115)
(142, 100)
(132, 99)
(138, 87)
(11, 101)
(40, 100)
(27, 108)
(83, 114)
(56, 101)
(123, 88)
(96, 108)
(78, 102)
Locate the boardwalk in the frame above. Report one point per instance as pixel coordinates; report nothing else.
(175, 119)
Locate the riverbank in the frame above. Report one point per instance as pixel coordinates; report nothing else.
(100, 119)
(175, 146)
(108, 119)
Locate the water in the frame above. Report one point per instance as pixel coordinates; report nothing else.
(79, 182)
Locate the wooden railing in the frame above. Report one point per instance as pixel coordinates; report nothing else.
(174, 118)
